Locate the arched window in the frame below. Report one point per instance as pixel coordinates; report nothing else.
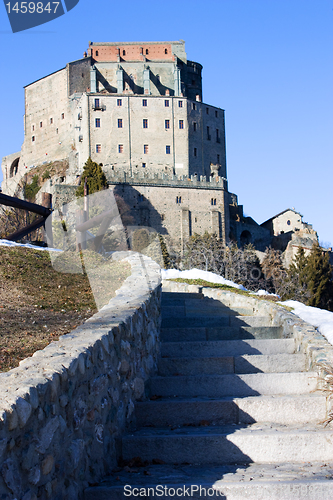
(14, 167)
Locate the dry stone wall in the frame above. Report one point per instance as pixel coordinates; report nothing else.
(64, 410)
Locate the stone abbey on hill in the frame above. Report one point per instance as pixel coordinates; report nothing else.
(137, 109)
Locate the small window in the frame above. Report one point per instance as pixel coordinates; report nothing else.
(217, 135)
(62, 116)
(167, 150)
(98, 148)
(218, 158)
(120, 148)
(213, 201)
(119, 102)
(120, 123)
(167, 124)
(180, 104)
(51, 121)
(33, 138)
(145, 123)
(207, 111)
(216, 114)
(40, 124)
(143, 166)
(165, 51)
(144, 102)
(288, 222)
(178, 199)
(145, 149)
(166, 103)
(96, 53)
(181, 123)
(96, 103)
(124, 52)
(195, 151)
(208, 134)
(194, 126)
(97, 122)
(147, 51)
(57, 130)
(32, 128)
(194, 106)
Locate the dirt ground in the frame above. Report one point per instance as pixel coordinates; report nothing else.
(39, 303)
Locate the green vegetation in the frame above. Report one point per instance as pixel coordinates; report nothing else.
(30, 190)
(95, 178)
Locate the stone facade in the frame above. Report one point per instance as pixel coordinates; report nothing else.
(64, 410)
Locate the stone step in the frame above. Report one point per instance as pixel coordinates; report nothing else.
(214, 321)
(280, 481)
(288, 409)
(195, 333)
(258, 443)
(227, 347)
(176, 296)
(263, 363)
(234, 385)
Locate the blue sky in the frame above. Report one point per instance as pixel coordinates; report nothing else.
(268, 63)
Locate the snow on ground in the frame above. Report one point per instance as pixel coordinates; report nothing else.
(195, 274)
(319, 318)
(7, 243)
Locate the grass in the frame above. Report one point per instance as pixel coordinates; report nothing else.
(39, 302)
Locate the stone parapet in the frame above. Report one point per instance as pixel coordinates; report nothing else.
(64, 410)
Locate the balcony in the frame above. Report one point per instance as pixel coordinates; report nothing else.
(98, 107)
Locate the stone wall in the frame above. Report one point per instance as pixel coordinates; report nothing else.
(64, 410)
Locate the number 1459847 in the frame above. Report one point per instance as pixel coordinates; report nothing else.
(31, 7)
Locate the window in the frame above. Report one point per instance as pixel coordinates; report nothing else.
(208, 134)
(207, 111)
(193, 82)
(32, 128)
(97, 122)
(167, 123)
(181, 123)
(120, 148)
(98, 148)
(147, 51)
(194, 106)
(166, 103)
(195, 151)
(120, 123)
(167, 150)
(119, 102)
(97, 105)
(40, 124)
(165, 51)
(33, 138)
(216, 114)
(178, 199)
(288, 222)
(143, 166)
(124, 52)
(51, 121)
(218, 158)
(145, 123)
(194, 126)
(217, 135)
(213, 201)
(145, 149)
(96, 53)
(144, 102)
(62, 116)
(180, 104)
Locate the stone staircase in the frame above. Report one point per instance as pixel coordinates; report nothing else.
(233, 408)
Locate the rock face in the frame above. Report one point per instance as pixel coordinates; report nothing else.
(304, 238)
(235, 410)
(64, 409)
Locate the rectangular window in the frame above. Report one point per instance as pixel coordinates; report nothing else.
(145, 149)
(166, 103)
(98, 148)
(181, 123)
(33, 138)
(218, 158)
(167, 150)
(119, 102)
(62, 116)
(194, 126)
(143, 165)
(51, 121)
(207, 111)
(97, 122)
(120, 123)
(120, 148)
(194, 106)
(180, 104)
(40, 124)
(195, 151)
(217, 135)
(145, 123)
(216, 114)
(33, 128)
(208, 134)
(96, 103)
(144, 102)
(167, 123)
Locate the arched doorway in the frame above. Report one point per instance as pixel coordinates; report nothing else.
(14, 167)
(245, 238)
